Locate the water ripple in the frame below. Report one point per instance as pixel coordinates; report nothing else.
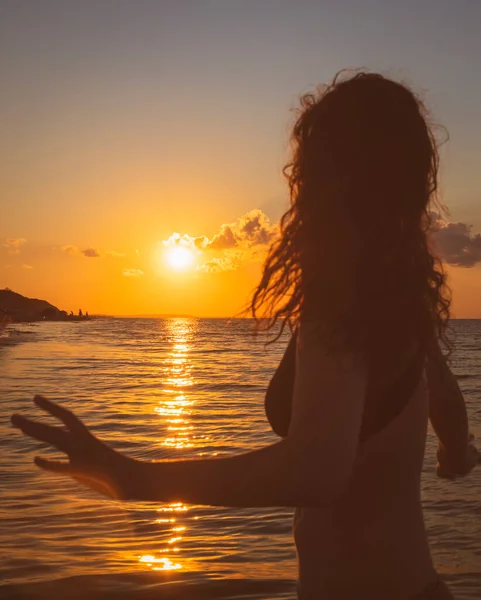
(165, 389)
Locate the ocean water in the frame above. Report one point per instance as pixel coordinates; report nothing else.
(170, 389)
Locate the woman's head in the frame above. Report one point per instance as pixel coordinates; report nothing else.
(352, 251)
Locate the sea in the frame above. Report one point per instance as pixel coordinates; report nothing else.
(178, 388)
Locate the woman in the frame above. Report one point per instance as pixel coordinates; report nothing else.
(352, 275)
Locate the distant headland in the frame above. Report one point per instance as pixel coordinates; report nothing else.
(20, 309)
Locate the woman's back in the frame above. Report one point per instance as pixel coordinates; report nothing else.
(377, 525)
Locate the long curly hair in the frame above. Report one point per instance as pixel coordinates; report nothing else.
(353, 254)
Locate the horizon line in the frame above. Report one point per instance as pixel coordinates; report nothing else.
(186, 316)
(165, 316)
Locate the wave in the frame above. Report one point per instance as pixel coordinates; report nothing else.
(151, 587)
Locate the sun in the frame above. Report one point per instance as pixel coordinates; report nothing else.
(179, 258)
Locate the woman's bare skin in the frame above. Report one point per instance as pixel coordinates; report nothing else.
(457, 455)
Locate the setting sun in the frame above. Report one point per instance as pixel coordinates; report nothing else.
(179, 257)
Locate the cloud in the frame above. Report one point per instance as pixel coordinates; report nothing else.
(454, 243)
(223, 240)
(91, 253)
(27, 267)
(201, 242)
(13, 245)
(252, 229)
(132, 273)
(74, 251)
(115, 254)
(246, 239)
(230, 262)
(180, 240)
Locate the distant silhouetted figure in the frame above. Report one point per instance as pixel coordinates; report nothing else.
(4, 319)
(351, 274)
(80, 313)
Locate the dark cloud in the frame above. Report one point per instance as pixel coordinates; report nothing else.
(256, 227)
(455, 243)
(252, 229)
(245, 240)
(90, 253)
(223, 240)
(74, 251)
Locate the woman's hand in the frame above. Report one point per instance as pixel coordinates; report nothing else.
(91, 462)
(447, 471)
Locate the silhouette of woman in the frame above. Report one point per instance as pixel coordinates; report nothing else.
(353, 277)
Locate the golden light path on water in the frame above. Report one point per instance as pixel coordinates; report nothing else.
(175, 411)
(181, 388)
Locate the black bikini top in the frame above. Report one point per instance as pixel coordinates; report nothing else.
(383, 403)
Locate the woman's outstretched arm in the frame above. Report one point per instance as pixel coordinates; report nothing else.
(311, 467)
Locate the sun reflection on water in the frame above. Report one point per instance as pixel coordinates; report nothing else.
(175, 409)
(159, 564)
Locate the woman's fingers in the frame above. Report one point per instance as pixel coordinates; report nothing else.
(63, 414)
(42, 432)
(53, 465)
(95, 482)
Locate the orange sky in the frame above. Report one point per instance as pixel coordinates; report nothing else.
(126, 122)
(217, 279)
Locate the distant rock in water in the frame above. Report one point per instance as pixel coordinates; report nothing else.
(17, 308)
